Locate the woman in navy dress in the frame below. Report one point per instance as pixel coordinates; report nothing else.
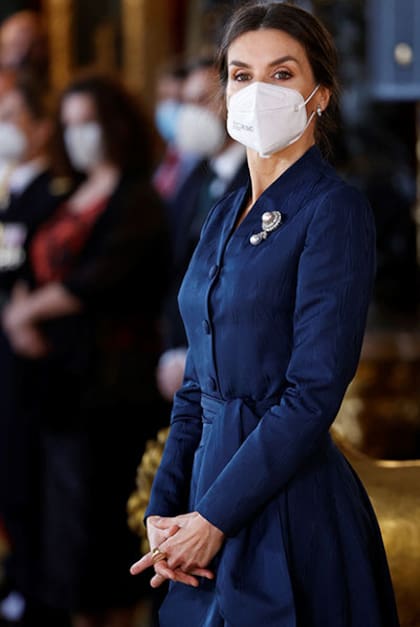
(255, 516)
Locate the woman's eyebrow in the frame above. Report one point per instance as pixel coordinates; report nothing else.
(278, 61)
(239, 64)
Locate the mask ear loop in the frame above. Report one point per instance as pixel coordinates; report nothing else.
(313, 92)
(309, 120)
(311, 117)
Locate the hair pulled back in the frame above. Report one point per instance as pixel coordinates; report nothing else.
(309, 32)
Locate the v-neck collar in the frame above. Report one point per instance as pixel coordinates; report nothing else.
(286, 194)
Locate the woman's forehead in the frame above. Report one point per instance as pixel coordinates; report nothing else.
(264, 46)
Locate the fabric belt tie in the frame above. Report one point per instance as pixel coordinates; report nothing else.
(243, 599)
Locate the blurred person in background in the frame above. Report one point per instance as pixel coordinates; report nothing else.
(25, 127)
(96, 277)
(175, 164)
(6, 80)
(24, 44)
(221, 168)
(28, 195)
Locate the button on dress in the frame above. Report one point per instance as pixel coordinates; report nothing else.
(275, 335)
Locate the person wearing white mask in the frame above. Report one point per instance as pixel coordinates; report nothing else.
(96, 274)
(221, 168)
(24, 132)
(29, 194)
(255, 517)
(200, 129)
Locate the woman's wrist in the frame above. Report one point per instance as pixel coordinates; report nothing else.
(215, 531)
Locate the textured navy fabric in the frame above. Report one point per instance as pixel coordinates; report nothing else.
(275, 334)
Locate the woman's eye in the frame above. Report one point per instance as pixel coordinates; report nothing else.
(241, 76)
(282, 75)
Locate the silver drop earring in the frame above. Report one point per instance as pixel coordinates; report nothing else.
(270, 221)
(319, 111)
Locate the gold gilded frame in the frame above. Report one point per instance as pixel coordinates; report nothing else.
(146, 42)
(59, 16)
(133, 16)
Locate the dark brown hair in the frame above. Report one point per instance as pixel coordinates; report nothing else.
(309, 32)
(126, 133)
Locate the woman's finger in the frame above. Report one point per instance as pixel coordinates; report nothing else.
(145, 562)
(157, 580)
(162, 569)
(186, 579)
(178, 563)
(202, 572)
(171, 531)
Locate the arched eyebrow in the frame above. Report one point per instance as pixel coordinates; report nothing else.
(278, 61)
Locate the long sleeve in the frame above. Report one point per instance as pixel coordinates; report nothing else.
(334, 282)
(170, 488)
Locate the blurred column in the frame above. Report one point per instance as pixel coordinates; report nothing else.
(105, 46)
(148, 39)
(134, 54)
(59, 17)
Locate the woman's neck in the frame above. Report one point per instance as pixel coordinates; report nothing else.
(99, 183)
(105, 172)
(264, 171)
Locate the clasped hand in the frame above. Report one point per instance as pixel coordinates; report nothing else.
(189, 542)
(24, 335)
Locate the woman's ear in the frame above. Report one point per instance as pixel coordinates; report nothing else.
(323, 97)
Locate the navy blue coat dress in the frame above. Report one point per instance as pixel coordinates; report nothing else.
(275, 332)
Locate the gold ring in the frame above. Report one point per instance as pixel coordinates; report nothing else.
(158, 555)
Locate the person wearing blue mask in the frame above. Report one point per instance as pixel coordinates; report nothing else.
(255, 516)
(175, 164)
(220, 167)
(168, 99)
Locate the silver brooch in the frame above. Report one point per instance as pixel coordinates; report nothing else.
(269, 222)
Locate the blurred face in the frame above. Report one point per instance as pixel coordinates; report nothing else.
(202, 88)
(200, 129)
(169, 88)
(78, 109)
(83, 135)
(272, 56)
(14, 110)
(21, 37)
(15, 114)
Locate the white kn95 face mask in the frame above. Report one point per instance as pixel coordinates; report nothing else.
(84, 144)
(268, 117)
(13, 143)
(199, 131)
